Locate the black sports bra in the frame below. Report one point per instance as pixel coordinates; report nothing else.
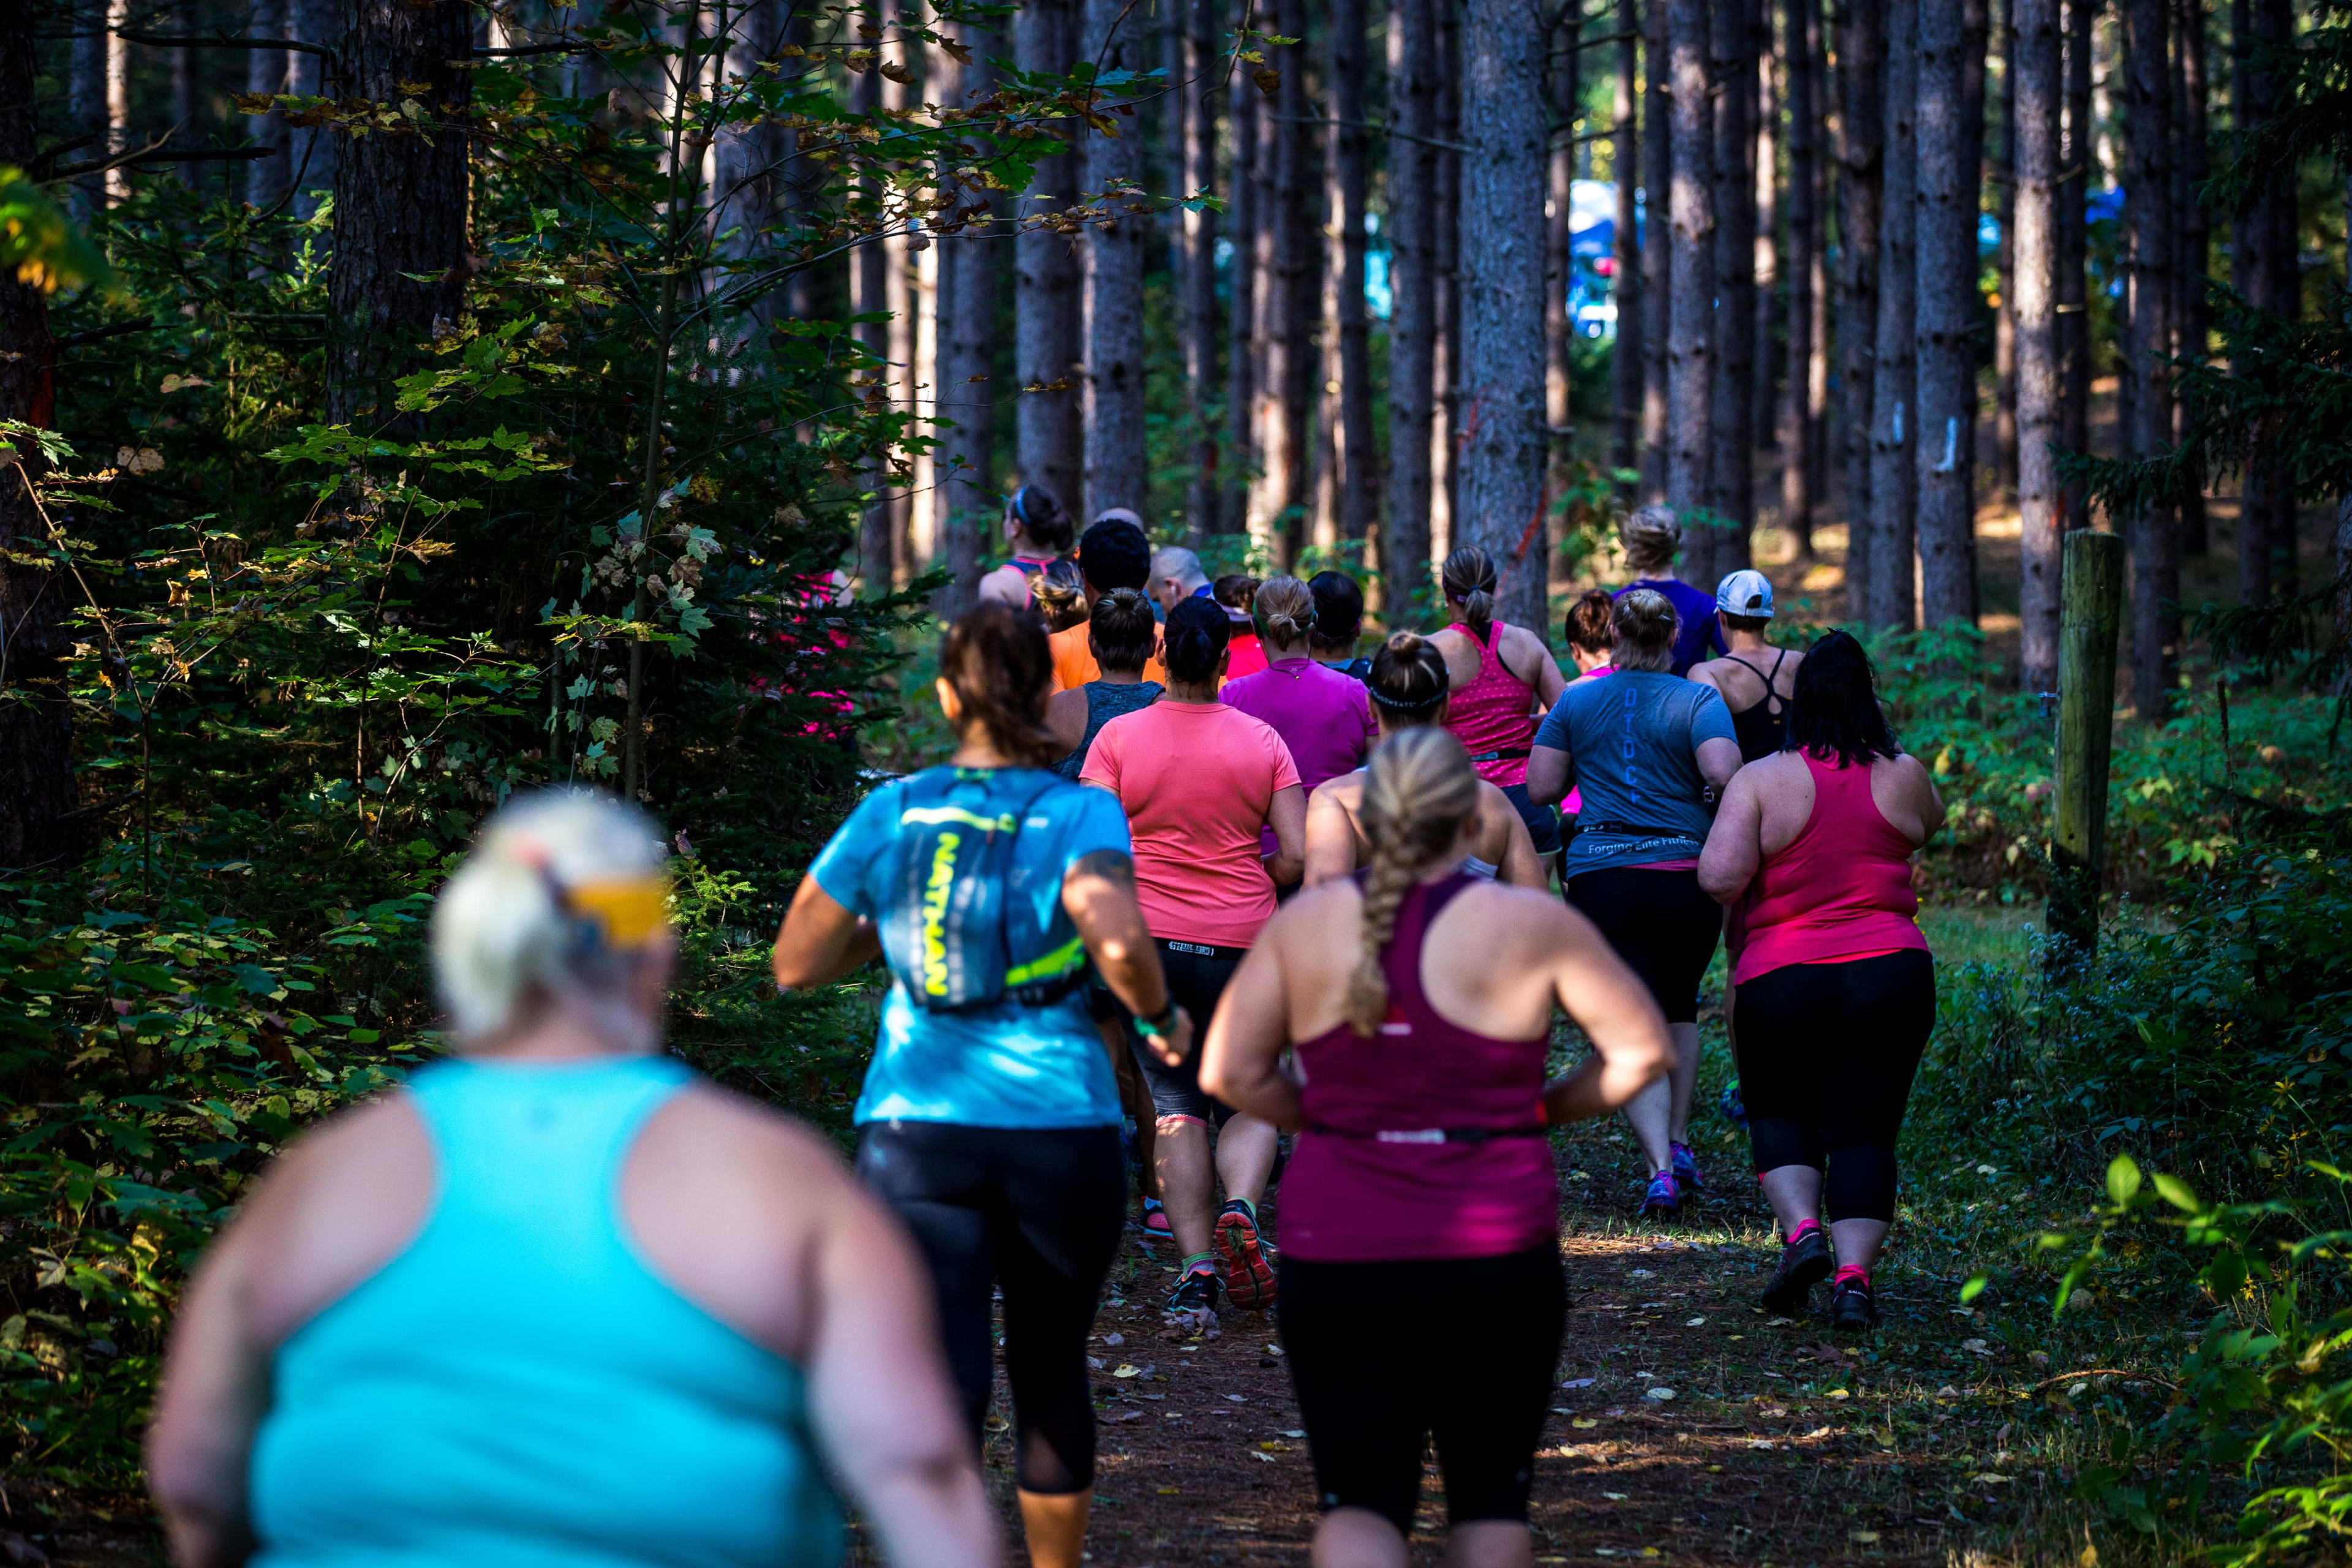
(1763, 727)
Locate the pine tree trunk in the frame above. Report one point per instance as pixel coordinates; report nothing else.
(1861, 173)
(311, 151)
(1048, 313)
(1503, 120)
(1279, 497)
(1691, 345)
(118, 94)
(870, 295)
(183, 90)
(1200, 243)
(36, 774)
(1413, 239)
(1115, 38)
(1657, 251)
(2148, 221)
(1560, 80)
(1765, 162)
(1817, 365)
(1358, 460)
(899, 298)
(2265, 272)
(1890, 596)
(2073, 257)
(1625, 281)
(405, 202)
(265, 71)
(1731, 463)
(963, 464)
(1947, 287)
(86, 109)
(2035, 70)
(1247, 108)
(1796, 498)
(2191, 166)
(2005, 339)
(1446, 443)
(1976, 34)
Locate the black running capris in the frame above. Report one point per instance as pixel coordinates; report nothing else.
(1039, 1212)
(1197, 974)
(1662, 924)
(1826, 1053)
(1386, 1356)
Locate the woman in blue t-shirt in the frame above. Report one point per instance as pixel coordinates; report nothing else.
(990, 1125)
(1653, 536)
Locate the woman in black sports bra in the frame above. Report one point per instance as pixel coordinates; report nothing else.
(1743, 604)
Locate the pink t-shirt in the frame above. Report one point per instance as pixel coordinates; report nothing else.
(1197, 780)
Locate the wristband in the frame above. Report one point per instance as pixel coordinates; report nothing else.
(1160, 1023)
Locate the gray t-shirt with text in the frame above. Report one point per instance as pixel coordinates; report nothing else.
(1631, 739)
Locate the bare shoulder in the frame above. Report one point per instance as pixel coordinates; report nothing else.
(1342, 792)
(1009, 583)
(713, 1124)
(350, 1148)
(1516, 920)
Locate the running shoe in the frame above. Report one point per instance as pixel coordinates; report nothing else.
(1733, 1107)
(1249, 1277)
(1193, 1303)
(1804, 1263)
(1687, 1168)
(1853, 1307)
(1155, 1221)
(1664, 1200)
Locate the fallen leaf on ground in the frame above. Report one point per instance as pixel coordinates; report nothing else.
(1126, 1369)
(1656, 1391)
(1695, 1322)
(1578, 1382)
(1584, 1423)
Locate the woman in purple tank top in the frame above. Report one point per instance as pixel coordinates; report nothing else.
(1418, 1003)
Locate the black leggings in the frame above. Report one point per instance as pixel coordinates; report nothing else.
(1039, 1211)
(1196, 979)
(1386, 1356)
(1826, 1053)
(1662, 924)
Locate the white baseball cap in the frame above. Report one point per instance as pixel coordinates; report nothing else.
(1745, 593)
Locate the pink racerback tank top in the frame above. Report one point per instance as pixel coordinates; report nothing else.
(1424, 1141)
(1490, 716)
(1842, 888)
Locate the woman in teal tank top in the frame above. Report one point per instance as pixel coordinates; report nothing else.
(559, 1303)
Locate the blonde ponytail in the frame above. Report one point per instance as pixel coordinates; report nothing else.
(1418, 792)
(1286, 609)
(1468, 575)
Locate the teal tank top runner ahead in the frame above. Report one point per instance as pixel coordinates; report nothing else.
(517, 1387)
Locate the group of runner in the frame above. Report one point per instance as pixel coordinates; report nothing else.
(559, 1300)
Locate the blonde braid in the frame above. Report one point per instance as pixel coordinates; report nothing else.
(1418, 792)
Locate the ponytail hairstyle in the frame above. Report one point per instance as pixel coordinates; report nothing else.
(1588, 625)
(1060, 598)
(996, 658)
(1339, 612)
(1418, 792)
(1653, 536)
(1285, 610)
(1039, 516)
(1198, 632)
(1123, 632)
(1469, 577)
(1645, 624)
(1408, 680)
(1834, 711)
(1236, 591)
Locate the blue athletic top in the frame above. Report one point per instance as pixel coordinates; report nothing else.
(518, 1388)
(1008, 1065)
(1699, 636)
(1630, 742)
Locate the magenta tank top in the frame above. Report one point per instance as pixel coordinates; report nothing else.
(1842, 888)
(1490, 716)
(1424, 1141)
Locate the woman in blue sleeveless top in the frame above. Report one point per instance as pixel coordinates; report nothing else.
(559, 1303)
(990, 1117)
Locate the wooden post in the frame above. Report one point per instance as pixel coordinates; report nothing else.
(2091, 603)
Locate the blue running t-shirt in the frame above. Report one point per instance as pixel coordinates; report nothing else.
(1008, 1065)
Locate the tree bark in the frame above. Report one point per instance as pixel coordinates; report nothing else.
(1797, 497)
(2148, 221)
(265, 71)
(1764, 161)
(1356, 459)
(2004, 329)
(2192, 321)
(1817, 363)
(2073, 257)
(1976, 33)
(900, 297)
(1503, 443)
(1200, 243)
(1862, 171)
(118, 94)
(1627, 354)
(1412, 239)
(1278, 499)
(2265, 270)
(183, 89)
(1245, 108)
(1690, 348)
(310, 151)
(1947, 288)
(36, 774)
(1891, 562)
(1048, 288)
(1657, 252)
(405, 202)
(2035, 68)
(1561, 76)
(1445, 435)
(870, 295)
(1115, 38)
(86, 107)
(964, 466)
(1731, 462)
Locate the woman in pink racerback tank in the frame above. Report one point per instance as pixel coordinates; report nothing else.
(1417, 1002)
(1834, 992)
(1504, 679)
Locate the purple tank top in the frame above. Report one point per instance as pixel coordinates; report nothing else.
(1384, 1170)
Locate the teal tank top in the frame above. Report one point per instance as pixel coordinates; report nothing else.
(517, 1387)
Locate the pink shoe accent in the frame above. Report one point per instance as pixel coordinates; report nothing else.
(1802, 1230)
(1852, 1271)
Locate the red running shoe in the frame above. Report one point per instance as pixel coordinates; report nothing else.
(1249, 1277)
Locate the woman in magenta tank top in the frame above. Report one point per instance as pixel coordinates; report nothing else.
(1504, 679)
(1835, 995)
(1417, 1002)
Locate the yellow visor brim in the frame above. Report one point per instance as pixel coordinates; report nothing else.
(632, 912)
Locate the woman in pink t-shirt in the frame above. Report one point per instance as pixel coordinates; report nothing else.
(1201, 782)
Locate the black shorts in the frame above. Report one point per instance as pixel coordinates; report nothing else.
(1387, 1356)
(1662, 924)
(1197, 974)
(1543, 821)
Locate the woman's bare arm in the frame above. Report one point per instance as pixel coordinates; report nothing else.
(1734, 846)
(1286, 815)
(1630, 1047)
(216, 1388)
(1548, 775)
(1241, 1065)
(1718, 760)
(1330, 835)
(1065, 715)
(1099, 894)
(820, 940)
(1521, 866)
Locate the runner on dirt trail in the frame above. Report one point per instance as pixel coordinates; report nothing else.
(1652, 539)
(1754, 679)
(1408, 689)
(1039, 533)
(1322, 716)
(1421, 1289)
(1651, 751)
(1835, 993)
(1590, 627)
(1339, 624)
(1503, 677)
(989, 1119)
(1112, 553)
(1245, 654)
(557, 1300)
(1200, 782)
